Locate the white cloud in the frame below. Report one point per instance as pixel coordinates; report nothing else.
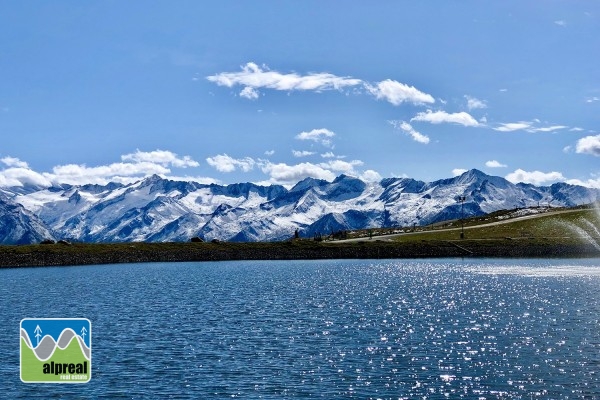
(494, 164)
(253, 77)
(328, 154)
(576, 129)
(370, 176)
(438, 117)
(588, 145)
(290, 174)
(284, 174)
(78, 174)
(21, 176)
(134, 166)
(474, 103)
(317, 135)
(249, 93)
(547, 128)
(398, 93)
(304, 153)
(592, 99)
(512, 126)
(528, 126)
(590, 183)
(561, 23)
(14, 162)
(458, 171)
(269, 152)
(162, 157)
(408, 129)
(75, 174)
(346, 167)
(225, 163)
(537, 178)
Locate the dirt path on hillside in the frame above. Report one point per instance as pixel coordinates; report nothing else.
(506, 221)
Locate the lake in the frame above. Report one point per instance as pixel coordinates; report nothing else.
(447, 328)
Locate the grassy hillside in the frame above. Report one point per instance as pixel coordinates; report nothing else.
(555, 233)
(565, 226)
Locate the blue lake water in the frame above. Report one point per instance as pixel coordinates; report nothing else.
(362, 329)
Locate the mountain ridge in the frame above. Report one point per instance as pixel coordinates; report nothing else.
(160, 209)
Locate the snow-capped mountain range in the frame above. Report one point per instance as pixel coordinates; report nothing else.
(156, 209)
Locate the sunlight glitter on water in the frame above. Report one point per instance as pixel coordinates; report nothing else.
(531, 271)
(329, 329)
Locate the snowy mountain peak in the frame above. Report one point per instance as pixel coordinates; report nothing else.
(472, 175)
(160, 209)
(308, 183)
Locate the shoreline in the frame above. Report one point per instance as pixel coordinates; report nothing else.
(117, 253)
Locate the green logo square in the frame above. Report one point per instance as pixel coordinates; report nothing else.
(56, 350)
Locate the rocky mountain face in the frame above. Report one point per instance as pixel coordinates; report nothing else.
(20, 226)
(157, 209)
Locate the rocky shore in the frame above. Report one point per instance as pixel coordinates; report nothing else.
(88, 254)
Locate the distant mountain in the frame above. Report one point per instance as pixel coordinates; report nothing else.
(20, 226)
(157, 209)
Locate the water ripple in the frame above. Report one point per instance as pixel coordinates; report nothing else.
(328, 329)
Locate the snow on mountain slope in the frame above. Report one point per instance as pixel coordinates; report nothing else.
(157, 209)
(20, 226)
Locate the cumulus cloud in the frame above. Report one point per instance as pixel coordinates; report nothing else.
(494, 164)
(303, 153)
(458, 171)
(474, 103)
(346, 167)
(321, 136)
(370, 176)
(537, 178)
(14, 162)
(438, 117)
(162, 157)
(283, 174)
(591, 183)
(397, 93)
(249, 93)
(588, 145)
(19, 176)
(115, 172)
(409, 130)
(225, 163)
(254, 77)
(18, 173)
(78, 174)
(328, 154)
(132, 167)
(269, 152)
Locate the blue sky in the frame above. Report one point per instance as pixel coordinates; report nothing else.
(276, 91)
